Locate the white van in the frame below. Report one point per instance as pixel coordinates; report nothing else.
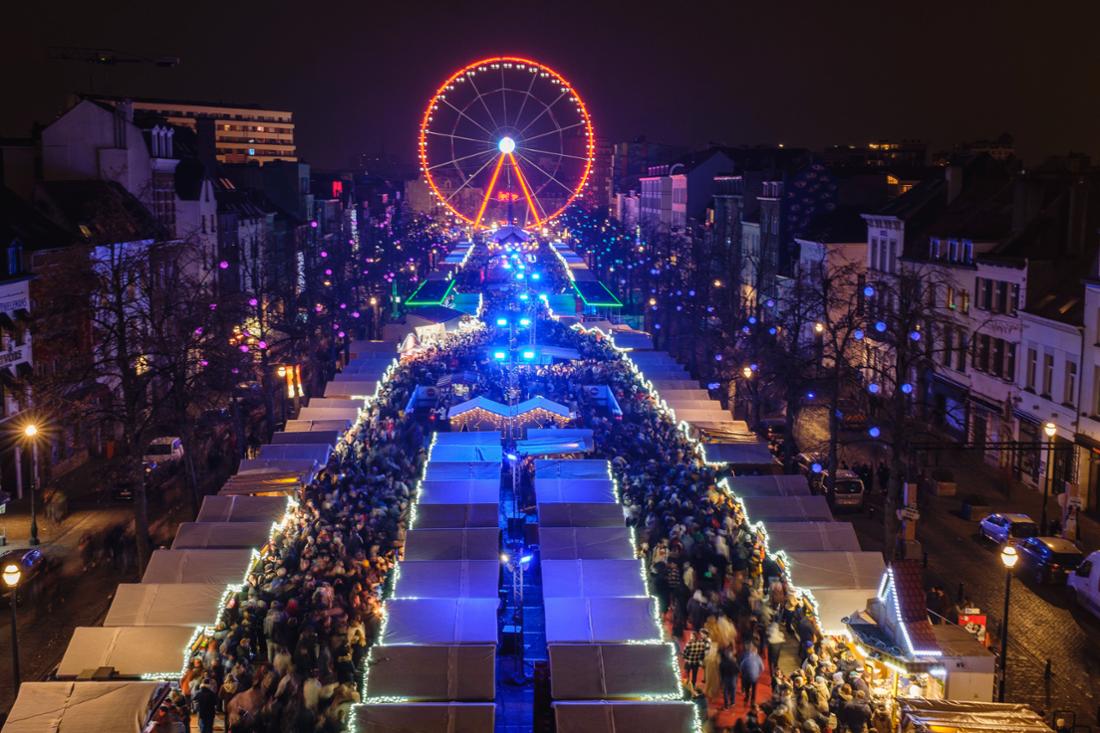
(1084, 583)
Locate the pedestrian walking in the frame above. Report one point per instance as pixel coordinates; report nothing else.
(751, 668)
(775, 639)
(694, 653)
(728, 670)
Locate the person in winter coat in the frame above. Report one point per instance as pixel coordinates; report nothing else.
(752, 666)
(728, 670)
(205, 700)
(856, 713)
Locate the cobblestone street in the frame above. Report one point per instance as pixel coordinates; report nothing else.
(1043, 625)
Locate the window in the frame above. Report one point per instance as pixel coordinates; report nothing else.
(968, 251)
(1000, 300)
(960, 353)
(874, 255)
(893, 255)
(948, 345)
(1010, 361)
(1070, 387)
(1014, 300)
(1096, 390)
(949, 298)
(997, 360)
(965, 305)
(1048, 374)
(981, 353)
(1032, 366)
(985, 294)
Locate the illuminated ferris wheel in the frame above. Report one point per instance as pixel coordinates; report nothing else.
(506, 140)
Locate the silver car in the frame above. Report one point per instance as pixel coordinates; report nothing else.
(1007, 527)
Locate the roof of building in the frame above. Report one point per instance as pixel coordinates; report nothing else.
(21, 221)
(1064, 305)
(912, 604)
(842, 224)
(98, 212)
(982, 210)
(190, 102)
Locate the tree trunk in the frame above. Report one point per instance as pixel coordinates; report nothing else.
(141, 507)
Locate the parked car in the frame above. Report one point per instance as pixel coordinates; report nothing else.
(1008, 527)
(848, 491)
(1049, 559)
(31, 562)
(163, 451)
(1084, 583)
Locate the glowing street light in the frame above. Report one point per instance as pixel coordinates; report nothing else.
(31, 433)
(1050, 430)
(12, 575)
(1009, 558)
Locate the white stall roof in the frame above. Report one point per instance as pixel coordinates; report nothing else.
(84, 707)
(242, 509)
(633, 340)
(463, 453)
(812, 536)
(460, 491)
(456, 516)
(590, 578)
(304, 467)
(268, 483)
(585, 543)
(309, 426)
(578, 514)
(441, 621)
(349, 388)
(850, 570)
(584, 468)
(588, 620)
(132, 650)
(316, 452)
(787, 508)
(835, 604)
(448, 470)
(624, 715)
(424, 717)
(220, 535)
(556, 441)
(324, 437)
(165, 604)
(468, 437)
(361, 348)
(218, 567)
(453, 544)
(447, 579)
(769, 485)
(662, 384)
(601, 671)
(432, 673)
(328, 413)
(754, 453)
(557, 491)
(334, 403)
(683, 403)
(685, 394)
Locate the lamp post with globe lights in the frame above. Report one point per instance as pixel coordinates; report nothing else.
(1009, 558)
(1050, 430)
(12, 575)
(31, 433)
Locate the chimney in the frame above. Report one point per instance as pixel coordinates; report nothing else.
(953, 174)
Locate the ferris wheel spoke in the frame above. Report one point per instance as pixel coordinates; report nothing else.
(459, 137)
(503, 96)
(467, 182)
(544, 111)
(464, 157)
(543, 171)
(526, 95)
(488, 191)
(481, 98)
(533, 203)
(554, 152)
(553, 132)
(463, 114)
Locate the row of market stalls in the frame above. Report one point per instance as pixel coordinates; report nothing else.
(113, 677)
(434, 666)
(610, 667)
(593, 294)
(877, 612)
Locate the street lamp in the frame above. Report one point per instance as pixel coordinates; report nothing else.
(1050, 429)
(1009, 557)
(31, 432)
(12, 575)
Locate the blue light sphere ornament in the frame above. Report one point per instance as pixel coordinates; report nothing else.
(858, 334)
(872, 388)
(907, 388)
(773, 330)
(914, 335)
(816, 468)
(874, 432)
(880, 326)
(746, 329)
(868, 290)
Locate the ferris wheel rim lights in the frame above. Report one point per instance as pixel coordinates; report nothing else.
(506, 145)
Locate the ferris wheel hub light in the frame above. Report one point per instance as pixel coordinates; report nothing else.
(506, 145)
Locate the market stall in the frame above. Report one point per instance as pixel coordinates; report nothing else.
(439, 470)
(165, 604)
(462, 453)
(580, 514)
(775, 485)
(323, 437)
(85, 707)
(329, 413)
(133, 651)
(447, 579)
(242, 509)
(769, 509)
(440, 621)
(588, 578)
(216, 567)
(588, 620)
(352, 387)
(586, 543)
(921, 715)
(221, 535)
(424, 717)
(812, 536)
(453, 544)
(607, 671)
(566, 491)
(308, 426)
(636, 716)
(459, 491)
(555, 441)
(584, 468)
(316, 452)
(273, 483)
(432, 516)
(432, 673)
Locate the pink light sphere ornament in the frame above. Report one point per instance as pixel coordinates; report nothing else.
(198, 331)
(355, 314)
(324, 253)
(313, 223)
(343, 306)
(213, 306)
(341, 334)
(224, 264)
(253, 302)
(328, 271)
(243, 348)
(204, 362)
(262, 344)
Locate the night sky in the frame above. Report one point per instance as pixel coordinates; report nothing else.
(356, 75)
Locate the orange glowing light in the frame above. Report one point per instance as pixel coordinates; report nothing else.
(526, 190)
(567, 89)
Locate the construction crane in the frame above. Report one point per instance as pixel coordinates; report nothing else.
(107, 57)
